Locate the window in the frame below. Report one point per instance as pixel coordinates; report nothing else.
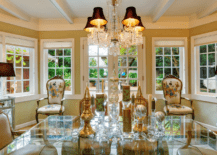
(59, 63)
(203, 62)
(207, 67)
(22, 52)
(128, 68)
(169, 59)
(98, 66)
(22, 58)
(58, 60)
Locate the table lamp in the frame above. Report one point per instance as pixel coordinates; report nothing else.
(6, 70)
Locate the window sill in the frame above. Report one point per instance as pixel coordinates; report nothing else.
(206, 98)
(30, 97)
(25, 97)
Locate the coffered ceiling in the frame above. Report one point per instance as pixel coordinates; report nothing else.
(45, 9)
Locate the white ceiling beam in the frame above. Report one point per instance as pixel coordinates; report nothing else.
(209, 10)
(12, 9)
(62, 7)
(161, 9)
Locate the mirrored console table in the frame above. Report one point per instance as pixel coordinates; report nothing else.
(7, 105)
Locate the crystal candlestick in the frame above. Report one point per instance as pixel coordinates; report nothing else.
(113, 107)
(151, 128)
(160, 132)
(140, 114)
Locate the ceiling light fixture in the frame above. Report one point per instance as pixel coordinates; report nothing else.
(114, 37)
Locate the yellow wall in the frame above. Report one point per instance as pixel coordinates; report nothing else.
(68, 34)
(25, 111)
(205, 112)
(158, 33)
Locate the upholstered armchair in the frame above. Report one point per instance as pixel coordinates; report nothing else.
(172, 90)
(6, 132)
(55, 96)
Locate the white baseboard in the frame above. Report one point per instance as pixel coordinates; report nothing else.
(26, 124)
(210, 127)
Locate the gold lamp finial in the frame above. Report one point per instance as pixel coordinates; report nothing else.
(87, 93)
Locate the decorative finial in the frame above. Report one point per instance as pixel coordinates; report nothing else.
(139, 91)
(87, 93)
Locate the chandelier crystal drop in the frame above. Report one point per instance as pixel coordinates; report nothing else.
(107, 34)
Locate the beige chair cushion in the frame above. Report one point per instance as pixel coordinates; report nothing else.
(51, 109)
(5, 131)
(55, 91)
(172, 90)
(174, 109)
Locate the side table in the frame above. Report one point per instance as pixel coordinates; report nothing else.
(7, 105)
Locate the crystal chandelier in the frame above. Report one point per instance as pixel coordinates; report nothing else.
(108, 34)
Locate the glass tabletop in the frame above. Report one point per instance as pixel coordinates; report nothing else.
(59, 135)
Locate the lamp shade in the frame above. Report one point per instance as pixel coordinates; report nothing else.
(6, 69)
(131, 18)
(89, 27)
(98, 17)
(140, 26)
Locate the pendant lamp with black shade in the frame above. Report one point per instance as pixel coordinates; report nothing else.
(130, 18)
(98, 17)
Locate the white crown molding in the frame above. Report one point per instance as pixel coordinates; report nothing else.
(194, 21)
(61, 24)
(165, 22)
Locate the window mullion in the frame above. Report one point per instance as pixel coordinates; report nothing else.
(171, 72)
(163, 64)
(22, 73)
(15, 69)
(207, 70)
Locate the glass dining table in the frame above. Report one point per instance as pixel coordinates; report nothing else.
(59, 135)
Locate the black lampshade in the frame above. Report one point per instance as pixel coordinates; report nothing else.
(131, 17)
(140, 26)
(89, 27)
(98, 17)
(6, 69)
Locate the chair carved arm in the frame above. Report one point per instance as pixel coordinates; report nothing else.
(165, 101)
(38, 101)
(61, 109)
(155, 99)
(191, 101)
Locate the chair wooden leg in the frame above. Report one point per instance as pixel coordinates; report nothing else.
(36, 117)
(192, 115)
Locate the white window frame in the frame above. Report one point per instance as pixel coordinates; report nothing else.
(44, 68)
(21, 97)
(195, 69)
(141, 78)
(183, 66)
